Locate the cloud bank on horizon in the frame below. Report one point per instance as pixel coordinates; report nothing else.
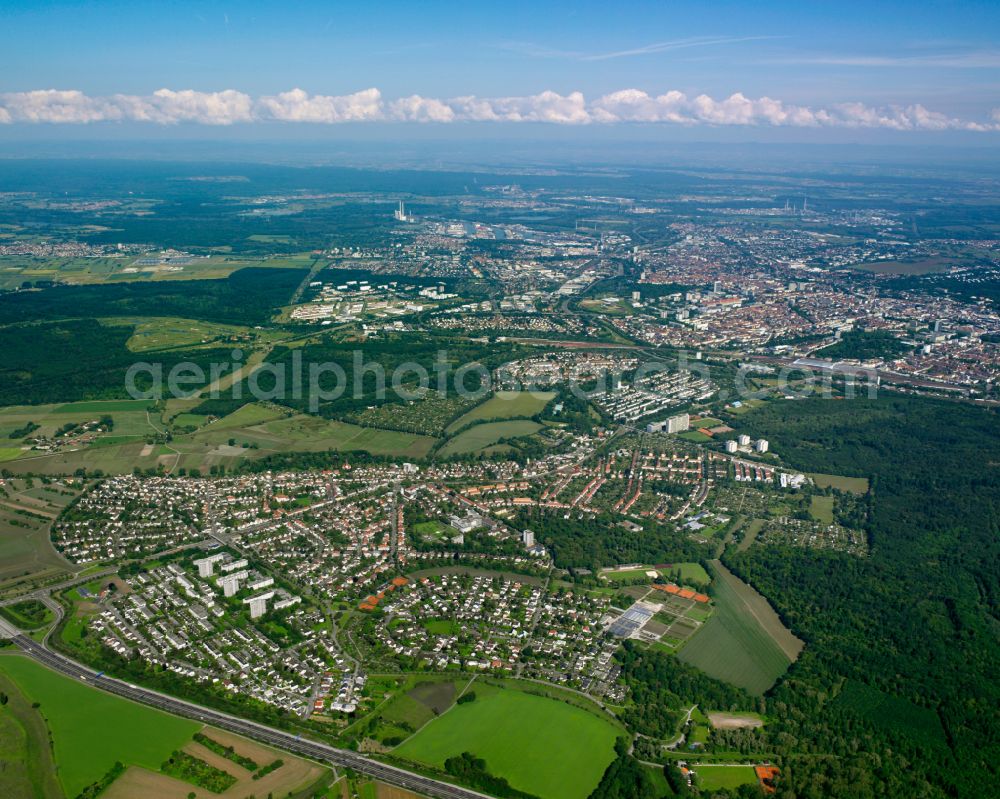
(230, 107)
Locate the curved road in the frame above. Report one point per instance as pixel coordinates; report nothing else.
(283, 740)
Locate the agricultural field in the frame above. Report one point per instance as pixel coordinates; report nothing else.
(411, 709)
(314, 434)
(27, 509)
(130, 733)
(293, 776)
(853, 485)
(504, 405)
(129, 418)
(483, 435)
(252, 413)
(257, 431)
(26, 757)
(744, 642)
(542, 746)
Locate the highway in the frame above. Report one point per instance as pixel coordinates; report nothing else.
(260, 732)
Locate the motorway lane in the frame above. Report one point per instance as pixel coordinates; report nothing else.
(279, 738)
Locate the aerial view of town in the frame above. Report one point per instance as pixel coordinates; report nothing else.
(561, 465)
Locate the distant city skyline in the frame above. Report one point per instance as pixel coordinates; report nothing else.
(890, 66)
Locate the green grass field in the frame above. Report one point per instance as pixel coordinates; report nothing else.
(714, 778)
(504, 405)
(26, 767)
(821, 509)
(9, 453)
(744, 642)
(482, 435)
(157, 333)
(541, 746)
(750, 534)
(250, 414)
(91, 729)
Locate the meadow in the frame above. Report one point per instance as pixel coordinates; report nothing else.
(129, 733)
(482, 435)
(853, 485)
(27, 768)
(504, 405)
(542, 746)
(821, 509)
(744, 642)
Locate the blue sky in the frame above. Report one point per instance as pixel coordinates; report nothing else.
(812, 59)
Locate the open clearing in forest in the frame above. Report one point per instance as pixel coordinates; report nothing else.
(853, 485)
(744, 642)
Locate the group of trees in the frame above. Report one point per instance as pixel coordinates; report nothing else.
(601, 541)
(916, 621)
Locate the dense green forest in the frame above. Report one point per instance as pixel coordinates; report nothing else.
(247, 297)
(603, 541)
(372, 364)
(77, 360)
(914, 627)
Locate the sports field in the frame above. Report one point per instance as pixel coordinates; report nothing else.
(744, 642)
(482, 435)
(504, 405)
(91, 729)
(542, 746)
(716, 777)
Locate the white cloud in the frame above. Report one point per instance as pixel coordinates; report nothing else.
(206, 108)
(166, 107)
(548, 106)
(297, 106)
(54, 105)
(421, 109)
